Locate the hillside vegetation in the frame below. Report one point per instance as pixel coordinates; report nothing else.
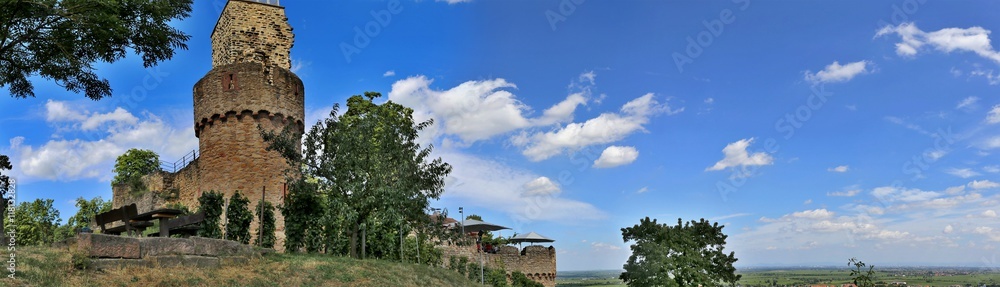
(43, 266)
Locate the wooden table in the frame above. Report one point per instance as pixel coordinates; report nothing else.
(161, 215)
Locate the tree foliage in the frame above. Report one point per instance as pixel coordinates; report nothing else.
(686, 254)
(518, 279)
(132, 165)
(238, 218)
(211, 203)
(860, 276)
(35, 222)
(369, 171)
(5, 188)
(265, 222)
(86, 211)
(60, 40)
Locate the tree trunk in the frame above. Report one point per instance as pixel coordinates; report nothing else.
(353, 248)
(364, 232)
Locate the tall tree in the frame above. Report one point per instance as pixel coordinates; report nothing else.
(686, 254)
(61, 39)
(5, 188)
(87, 210)
(132, 165)
(368, 165)
(35, 222)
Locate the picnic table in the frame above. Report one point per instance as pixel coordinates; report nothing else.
(161, 215)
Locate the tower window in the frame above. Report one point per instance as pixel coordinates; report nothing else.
(229, 82)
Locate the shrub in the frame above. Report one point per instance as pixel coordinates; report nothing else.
(211, 203)
(496, 277)
(81, 259)
(238, 218)
(265, 224)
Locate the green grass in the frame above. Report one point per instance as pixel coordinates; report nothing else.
(912, 276)
(43, 266)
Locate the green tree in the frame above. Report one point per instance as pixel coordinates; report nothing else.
(86, 211)
(61, 39)
(265, 223)
(518, 279)
(132, 165)
(211, 204)
(6, 190)
(860, 276)
(35, 222)
(238, 218)
(686, 254)
(369, 168)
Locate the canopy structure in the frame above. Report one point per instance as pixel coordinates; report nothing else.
(531, 237)
(472, 225)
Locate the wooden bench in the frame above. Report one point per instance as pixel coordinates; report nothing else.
(186, 225)
(125, 214)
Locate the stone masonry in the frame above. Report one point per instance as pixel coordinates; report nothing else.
(535, 261)
(249, 86)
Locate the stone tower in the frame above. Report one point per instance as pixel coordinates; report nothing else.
(250, 84)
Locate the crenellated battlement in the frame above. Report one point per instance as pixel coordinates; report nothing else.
(276, 120)
(235, 89)
(537, 262)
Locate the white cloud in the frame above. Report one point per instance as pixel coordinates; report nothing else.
(729, 216)
(541, 186)
(102, 138)
(493, 185)
(389, 73)
(709, 101)
(736, 155)
(56, 111)
(475, 110)
(841, 168)
(989, 214)
(991, 169)
(983, 184)
(454, 1)
(948, 229)
(605, 128)
(601, 246)
(994, 115)
(969, 102)
(298, 65)
(807, 202)
(962, 172)
(836, 72)
(974, 39)
(846, 193)
(119, 116)
(644, 189)
(616, 156)
(814, 214)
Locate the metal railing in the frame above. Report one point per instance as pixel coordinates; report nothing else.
(173, 167)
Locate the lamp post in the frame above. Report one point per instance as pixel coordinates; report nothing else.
(462, 222)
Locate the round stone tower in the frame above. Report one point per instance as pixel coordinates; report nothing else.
(250, 84)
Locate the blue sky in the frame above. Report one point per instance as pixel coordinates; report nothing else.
(815, 131)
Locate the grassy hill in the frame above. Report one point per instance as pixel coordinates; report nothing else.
(43, 266)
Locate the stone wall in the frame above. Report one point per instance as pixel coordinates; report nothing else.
(535, 261)
(239, 88)
(249, 31)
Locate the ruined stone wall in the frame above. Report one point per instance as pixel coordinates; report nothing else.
(537, 262)
(249, 31)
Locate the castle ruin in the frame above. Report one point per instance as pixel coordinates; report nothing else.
(250, 84)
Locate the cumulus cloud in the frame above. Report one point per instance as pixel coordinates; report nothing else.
(836, 72)
(841, 168)
(89, 142)
(616, 156)
(983, 184)
(389, 73)
(736, 155)
(476, 110)
(541, 186)
(974, 39)
(605, 128)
